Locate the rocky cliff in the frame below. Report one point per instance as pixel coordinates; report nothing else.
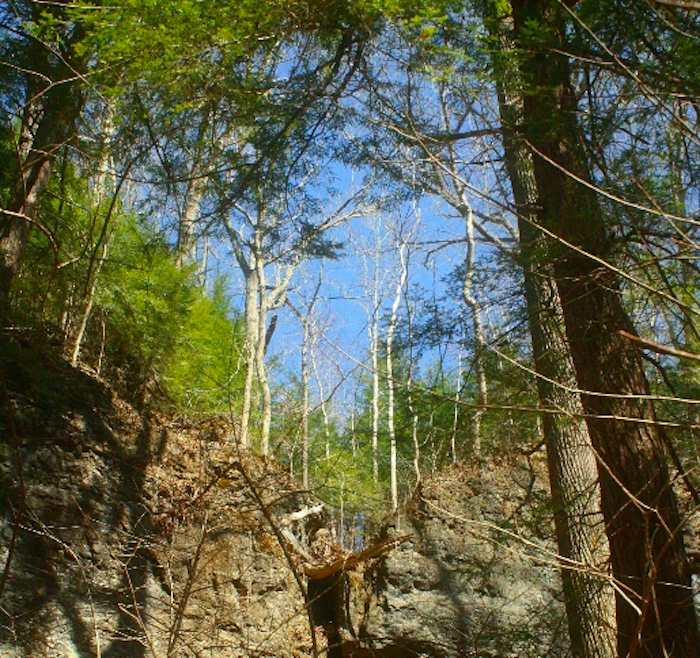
(130, 534)
(476, 574)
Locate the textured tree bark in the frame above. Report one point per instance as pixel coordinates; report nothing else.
(51, 108)
(573, 472)
(36, 150)
(578, 521)
(655, 614)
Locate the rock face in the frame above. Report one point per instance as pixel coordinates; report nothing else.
(130, 535)
(475, 575)
(124, 535)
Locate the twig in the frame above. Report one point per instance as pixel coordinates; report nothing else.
(658, 347)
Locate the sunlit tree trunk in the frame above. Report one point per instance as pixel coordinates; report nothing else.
(415, 419)
(572, 465)
(305, 410)
(77, 346)
(260, 299)
(250, 346)
(260, 366)
(308, 331)
(102, 189)
(655, 613)
(323, 405)
(186, 234)
(373, 330)
(474, 307)
(188, 225)
(458, 402)
(391, 328)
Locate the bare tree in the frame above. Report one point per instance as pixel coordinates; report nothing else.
(258, 248)
(402, 246)
(307, 319)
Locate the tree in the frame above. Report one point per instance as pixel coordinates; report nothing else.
(655, 612)
(269, 237)
(308, 321)
(403, 245)
(572, 463)
(42, 76)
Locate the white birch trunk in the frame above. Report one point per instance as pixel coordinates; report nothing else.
(305, 405)
(374, 354)
(472, 303)
(260, 367)
(252, 320)
(401, 282)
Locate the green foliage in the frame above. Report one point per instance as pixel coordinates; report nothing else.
(345, 481)
(185, 46)
(8, 156)
(161, 320)
(60, 255)
(145, 295)
(148, 320)
(203, 373)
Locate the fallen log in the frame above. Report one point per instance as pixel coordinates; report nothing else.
(351, 560)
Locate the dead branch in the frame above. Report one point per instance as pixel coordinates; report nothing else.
(316, 572)
(659, 348)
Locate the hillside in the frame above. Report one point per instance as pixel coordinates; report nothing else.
(126, 533)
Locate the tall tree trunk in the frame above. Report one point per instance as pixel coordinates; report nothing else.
(52, 105)
(572, 466)
(101, 188)
(307, 323)
(410, 402)
(373, 330)
(260, 367)
(477, 325)
(252, 320)
(579, 525)
(655, 613)
(323, 405)
(260, 299)
(186, 250)
(77, 346)
(305, 408)
(400, 283)
(458, 400)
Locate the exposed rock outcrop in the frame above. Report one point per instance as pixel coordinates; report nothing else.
(130, 535)
(477, 576)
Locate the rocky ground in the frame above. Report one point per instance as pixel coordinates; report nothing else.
(131, 534)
